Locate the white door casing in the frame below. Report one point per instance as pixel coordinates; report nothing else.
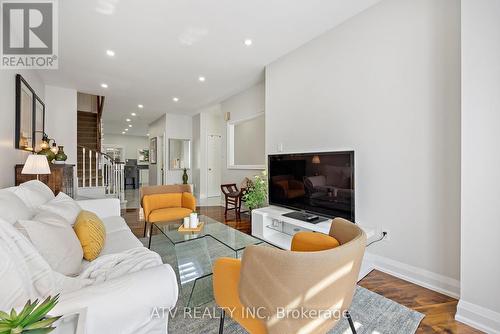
(214, 164)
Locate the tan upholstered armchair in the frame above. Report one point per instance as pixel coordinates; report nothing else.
(166, 203)
(269, 282)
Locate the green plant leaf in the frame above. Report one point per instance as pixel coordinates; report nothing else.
(42, 323)
(4, 316)
(28, 308)
(5, 328)
(41, 311)
(16, 330)
(40, 331)
(13, 314)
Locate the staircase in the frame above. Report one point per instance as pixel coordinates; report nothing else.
(87, 140)
(98, 175)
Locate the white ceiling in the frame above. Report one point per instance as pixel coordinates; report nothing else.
(163, 46)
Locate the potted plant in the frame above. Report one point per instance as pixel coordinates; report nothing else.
(32, 319)
(256, 194)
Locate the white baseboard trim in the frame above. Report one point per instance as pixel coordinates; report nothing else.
(427, 279)
(478, 317)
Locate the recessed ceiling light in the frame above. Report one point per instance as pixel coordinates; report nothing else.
(123, 132)
(248, 42)
(147, 134)
(125, 129)
(103, 85)
(140, 106)
(133, 114)
(175, 99)
(201, 79)
(128, 119)
(110, 53)
(130, 125)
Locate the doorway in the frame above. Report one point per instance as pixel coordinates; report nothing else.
(214, 163)
(160, 180)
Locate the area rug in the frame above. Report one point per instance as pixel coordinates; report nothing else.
(371, 312)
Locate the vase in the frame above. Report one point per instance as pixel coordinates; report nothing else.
(48, 153)
(61, 156)
(185, 177)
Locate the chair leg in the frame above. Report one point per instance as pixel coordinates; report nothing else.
(225, 211)
(221, 324)
(351, 324)
(145, 227)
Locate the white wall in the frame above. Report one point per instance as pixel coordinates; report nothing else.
(9, 156)
(480, 273)
(386, 84)
(157, 129)
(130, 144)
(243, 105)
(61, 119)
(178, 127)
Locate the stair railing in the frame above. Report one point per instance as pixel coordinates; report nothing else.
(100, 170)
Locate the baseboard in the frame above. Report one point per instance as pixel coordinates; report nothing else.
(478, 317)
(427, 279)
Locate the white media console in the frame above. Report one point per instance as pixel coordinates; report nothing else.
(270, 225)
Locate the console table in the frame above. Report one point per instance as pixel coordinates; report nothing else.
(60, 178)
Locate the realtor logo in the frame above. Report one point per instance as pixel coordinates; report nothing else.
(29, 34)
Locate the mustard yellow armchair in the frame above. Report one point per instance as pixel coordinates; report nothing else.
(318, 274)
(166, 203)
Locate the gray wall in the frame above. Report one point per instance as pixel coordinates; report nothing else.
(246, 104)
(386, 84)
(249, 142)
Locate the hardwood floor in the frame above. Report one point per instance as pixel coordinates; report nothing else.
(439, 309)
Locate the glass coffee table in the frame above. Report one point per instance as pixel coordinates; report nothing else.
(192, 254)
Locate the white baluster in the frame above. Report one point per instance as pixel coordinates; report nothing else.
(96, 168)
(102, 170)
(83, 168)
(90, 168)
(114, 179)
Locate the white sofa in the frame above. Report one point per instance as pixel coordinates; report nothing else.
(122, 305)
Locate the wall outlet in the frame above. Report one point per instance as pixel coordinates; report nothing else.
(387, 236)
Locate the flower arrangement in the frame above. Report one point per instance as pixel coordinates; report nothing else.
(32, 319)
(256, 193)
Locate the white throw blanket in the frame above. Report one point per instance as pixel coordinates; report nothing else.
(113, 266)
(26, 275)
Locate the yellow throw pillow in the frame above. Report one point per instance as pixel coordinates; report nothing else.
(91, 232)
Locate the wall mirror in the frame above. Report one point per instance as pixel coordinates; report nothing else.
(179, 153)
(246, 143)
(39, 123)
(25, 97)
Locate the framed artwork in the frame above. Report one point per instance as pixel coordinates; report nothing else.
(25, 103)
(153, 144)
(143, 155)
(39, 121)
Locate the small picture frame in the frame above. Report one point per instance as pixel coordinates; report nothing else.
(143, 155)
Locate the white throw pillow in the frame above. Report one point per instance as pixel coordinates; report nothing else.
(12, 207)
(56, 241)
(64, 206)
(33, 193)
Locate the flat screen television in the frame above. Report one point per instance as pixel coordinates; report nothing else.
(321, 183)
